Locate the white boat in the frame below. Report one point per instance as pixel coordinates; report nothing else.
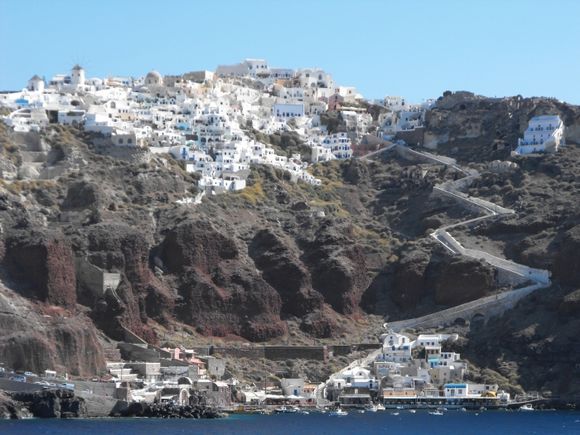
(380, 407)
(412, 411)
(436, 412)
(338, 413)
(527, 407)
(284, 409)
(395, 413)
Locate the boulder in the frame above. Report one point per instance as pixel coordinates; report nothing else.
(462, 279)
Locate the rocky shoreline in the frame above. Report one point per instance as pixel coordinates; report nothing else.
(168, 410)
(64, 404)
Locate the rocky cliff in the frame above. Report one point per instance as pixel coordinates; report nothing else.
(254, 264)
(476, 128)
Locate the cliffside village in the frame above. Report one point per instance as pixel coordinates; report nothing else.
(208, 120)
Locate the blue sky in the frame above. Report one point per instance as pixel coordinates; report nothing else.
(416, 48)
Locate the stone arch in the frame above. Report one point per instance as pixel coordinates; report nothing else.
(460, 321)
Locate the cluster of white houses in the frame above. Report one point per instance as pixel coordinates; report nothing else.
(412, 373)
(208, 118)
(200, 117)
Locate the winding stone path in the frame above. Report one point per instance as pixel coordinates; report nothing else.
(487, 306)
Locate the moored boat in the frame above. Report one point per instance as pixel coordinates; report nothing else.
(339, 413)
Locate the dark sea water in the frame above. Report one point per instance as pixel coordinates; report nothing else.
(488, 423)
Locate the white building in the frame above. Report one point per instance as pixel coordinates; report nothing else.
(292, 386)
(456, 391)
(396, 348)
(77, 77)
(339, 144)
(35, 84)
(27, 119)
(357, 377)
(73, 117)
(248, 67)
(288, 110)
(321, 154)
(544, 134)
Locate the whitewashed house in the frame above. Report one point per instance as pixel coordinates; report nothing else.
(73, 117)
(288, 110)
(248, 67)
(339, 144)
(396, 348)
(544, 134)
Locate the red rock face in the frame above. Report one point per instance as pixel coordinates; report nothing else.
(43, 265)
(338, 269)
(222, 293)
(117, 247)
(36, 337)
(410, 280)
(286, 273)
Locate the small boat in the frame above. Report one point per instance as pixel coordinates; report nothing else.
(395, 413)
(380, 407)
(338, 413)
(527, 407)
(463, 410)
(436, 412)
(412, 411)
(372, 408)
(284, 410)
(361, 411)
(400, 407)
